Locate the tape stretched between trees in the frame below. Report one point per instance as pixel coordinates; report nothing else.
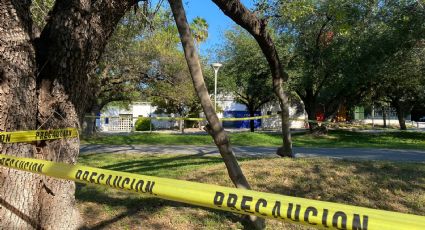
(222, 119)
(298, 210)
(195, 118)
(37, 135)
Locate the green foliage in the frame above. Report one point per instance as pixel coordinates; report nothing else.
(40, 11)
(335, 48)
(143, 124)
(199, 27)
(172, 91)
(245, 74)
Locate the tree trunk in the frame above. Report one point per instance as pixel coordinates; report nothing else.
(19, 190)
(310, 109)
(384, 116)
(181, 126)
(252, 122)
(90, 128)
(53, 96)
(258, 29)
(400, 114)
(214, 127)
(312, 123)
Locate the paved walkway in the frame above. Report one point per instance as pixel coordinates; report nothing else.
(243, 151)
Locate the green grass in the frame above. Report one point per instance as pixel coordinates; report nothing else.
(336, 138)
(383, 185)
(151, 164)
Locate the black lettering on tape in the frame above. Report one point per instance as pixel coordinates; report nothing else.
(307, 212)
(86, 175)
(232, 199)
(108, 180)
(78, 174)
(22, 165)
(335, 220)
(297, 212)
(139, 185)
(5, 138)
(117, 181)
(261, 202)
(276, 210)
(245, 206)
(218, 199)
(289, 211)
(6, 162)
(100, 178)
(40, 168)
(132, 183)
(325, 218)
(125, 182)
(359, 226)
(149, 187)
(34, 167)
(92, 180)
(39, 135)
(12, 162)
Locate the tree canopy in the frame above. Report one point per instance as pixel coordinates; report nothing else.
(246, 75)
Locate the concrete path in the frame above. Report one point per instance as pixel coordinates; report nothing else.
(244, 151)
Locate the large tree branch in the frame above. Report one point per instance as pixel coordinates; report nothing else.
(258, 29)
(75, 36)
(321, 31)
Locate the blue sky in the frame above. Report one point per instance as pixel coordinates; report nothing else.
(218, 22)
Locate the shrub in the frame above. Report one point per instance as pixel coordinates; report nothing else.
(143, 124)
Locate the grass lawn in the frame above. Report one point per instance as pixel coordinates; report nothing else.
(336, 138)
(383, 185)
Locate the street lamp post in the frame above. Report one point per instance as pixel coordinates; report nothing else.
(216, 67)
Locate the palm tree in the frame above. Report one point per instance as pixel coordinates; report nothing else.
(199, 28)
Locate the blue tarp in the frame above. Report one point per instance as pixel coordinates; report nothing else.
(240, 124)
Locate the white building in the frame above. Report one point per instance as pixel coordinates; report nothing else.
(119, 119)
(122, 120)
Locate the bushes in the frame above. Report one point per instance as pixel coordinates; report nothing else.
(143, 124)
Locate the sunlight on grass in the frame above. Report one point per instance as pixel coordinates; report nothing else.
(337, 138)
(383, 185)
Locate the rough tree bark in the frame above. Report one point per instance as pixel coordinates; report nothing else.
(44, 84)
(251, 122)
(310, 108)
(384, 116)
(258, 29)
(17, 112)
(94, 111)
(214, 127)
(400, 108)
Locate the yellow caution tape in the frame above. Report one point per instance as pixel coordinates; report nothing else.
(194, 118)
(221, 119)
(246, 118)
(37, 135)
(279, 207)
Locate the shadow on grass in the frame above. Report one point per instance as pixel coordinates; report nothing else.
(132, 205)
(138, 205)
(162, 164)
(370, 184)
(156, 164)
(168, 165)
